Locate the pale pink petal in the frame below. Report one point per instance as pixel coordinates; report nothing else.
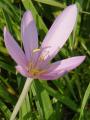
(40, 63)
(14, 50)
(66, 64)
(29, 34)
(22, 71)
(59, 68)
(59, 32)
(52, 76)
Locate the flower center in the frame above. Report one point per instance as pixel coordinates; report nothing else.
(40, 57)
(33, 70)
(36, 72)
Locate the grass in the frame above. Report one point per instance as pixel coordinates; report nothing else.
(67, 98)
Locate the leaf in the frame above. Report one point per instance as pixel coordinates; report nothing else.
(63, 99)
(25, 111)
(4, 7)
(5, 110)
(52, 3)
(42, 100)
(84, 101)
(7, 67)
(8, 22)
(39, 21)
(6, 96)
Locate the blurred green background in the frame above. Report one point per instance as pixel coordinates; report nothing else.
(67, 98)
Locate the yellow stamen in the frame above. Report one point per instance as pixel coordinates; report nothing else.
(32, 69)
(37, 72)
(41, 58)
(36, 50)
(30, 65)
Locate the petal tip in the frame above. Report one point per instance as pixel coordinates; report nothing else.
(29, 14)
(83, 58)
(4, 29)
(73, 8)
(5, 33)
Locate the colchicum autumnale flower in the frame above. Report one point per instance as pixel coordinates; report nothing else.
(35, 62)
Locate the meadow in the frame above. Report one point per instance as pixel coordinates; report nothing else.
(65, 98)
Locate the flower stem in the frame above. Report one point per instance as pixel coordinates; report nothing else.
(21, 98)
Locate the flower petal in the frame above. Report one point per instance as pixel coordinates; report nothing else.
(22, 71)
(60, 68)
(14, 50)
(52, 76)
(66, 64)
(59, 32)
(29, 34)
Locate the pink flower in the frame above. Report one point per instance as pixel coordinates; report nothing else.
(35, 61)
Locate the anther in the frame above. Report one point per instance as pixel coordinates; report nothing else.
(42, 57)
(36, 50)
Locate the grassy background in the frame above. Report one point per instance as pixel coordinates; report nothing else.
(64, 99)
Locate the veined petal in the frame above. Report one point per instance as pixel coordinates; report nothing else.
(22, 71)
(52, 76)
(59, 68)
(59, 32)
(66, 64)
(14, 50)
(29, 34)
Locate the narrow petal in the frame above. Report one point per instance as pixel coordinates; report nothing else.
(52, 76)
(59, 32)
(22, 71)
(60, 68)
(14, 50)
(29, 34)
(66, 64)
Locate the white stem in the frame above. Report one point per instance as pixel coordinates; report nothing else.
(21, 98)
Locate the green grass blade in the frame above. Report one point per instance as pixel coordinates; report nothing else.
(63, 99)
(12, 8)
(5, 110)
(4, 7)
(7, 67)
(52, 3)
(40, 24)
(25, 111)
(4, 94)
(42, 99)
(85, 98)
(8, 22)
